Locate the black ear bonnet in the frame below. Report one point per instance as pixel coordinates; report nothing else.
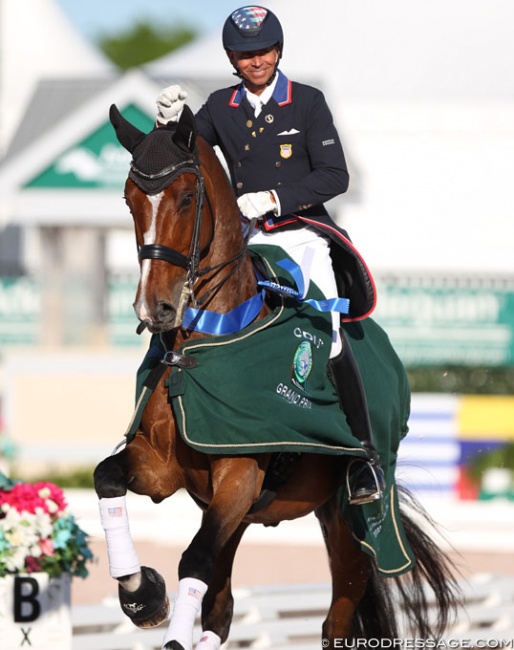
(161, 155)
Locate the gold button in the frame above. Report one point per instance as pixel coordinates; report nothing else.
(278, 163)
(239, 185)
(238, 164)
(249, 124)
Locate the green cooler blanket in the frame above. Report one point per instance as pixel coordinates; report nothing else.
(265, 389)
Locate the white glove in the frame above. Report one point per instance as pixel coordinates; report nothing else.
(255, 204)
(170, 104)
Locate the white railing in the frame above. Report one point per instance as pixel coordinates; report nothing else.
(290, 618)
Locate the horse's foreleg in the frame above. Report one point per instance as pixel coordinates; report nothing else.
(236, 483)
(349, 568)
(142, 591)
(218, 604)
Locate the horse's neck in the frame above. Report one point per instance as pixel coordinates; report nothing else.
(228, 240)
(229, 244)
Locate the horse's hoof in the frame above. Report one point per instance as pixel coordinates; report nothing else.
(173, 645)
(149, 605)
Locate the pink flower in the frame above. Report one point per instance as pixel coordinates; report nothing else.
(27, 497)
(47, 547)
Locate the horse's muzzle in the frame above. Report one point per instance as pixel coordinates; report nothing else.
(161, 319)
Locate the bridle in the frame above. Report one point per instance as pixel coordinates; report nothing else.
(191, 262)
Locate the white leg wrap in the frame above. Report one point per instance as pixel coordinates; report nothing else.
(122, 555)
(209, 641)
(187, 606)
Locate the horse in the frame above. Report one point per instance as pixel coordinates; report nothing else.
(193, 251)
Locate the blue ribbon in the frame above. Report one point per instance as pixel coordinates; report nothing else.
(341, 305)
(210, 322)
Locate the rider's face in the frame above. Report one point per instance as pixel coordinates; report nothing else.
(256, 67)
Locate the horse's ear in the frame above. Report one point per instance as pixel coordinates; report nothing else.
(129, 136)
(185, 133)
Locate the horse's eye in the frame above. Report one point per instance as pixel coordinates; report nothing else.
(187, 200)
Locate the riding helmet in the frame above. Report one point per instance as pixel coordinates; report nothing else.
(252, 28)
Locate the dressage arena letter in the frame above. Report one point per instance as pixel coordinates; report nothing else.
(26, 605)
(35, 612)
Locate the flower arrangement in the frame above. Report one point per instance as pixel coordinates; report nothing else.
(37, 533)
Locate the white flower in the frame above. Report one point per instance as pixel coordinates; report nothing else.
(22, 535)
(52, 506)
(12, 518)
(44, 493)
(16, 561)
(35, 550)
(43, 524)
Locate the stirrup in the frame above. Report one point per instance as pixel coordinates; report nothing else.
(361, 496)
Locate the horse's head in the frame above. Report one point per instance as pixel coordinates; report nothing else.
(174, 225)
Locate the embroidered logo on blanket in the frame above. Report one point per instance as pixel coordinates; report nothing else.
(302, 364)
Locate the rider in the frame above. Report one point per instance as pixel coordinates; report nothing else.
(285, 159)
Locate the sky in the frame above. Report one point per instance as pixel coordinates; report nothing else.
(99, 17)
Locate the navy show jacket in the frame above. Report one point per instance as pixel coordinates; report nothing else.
(292, 147)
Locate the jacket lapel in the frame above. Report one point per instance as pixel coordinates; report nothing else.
(257, 130)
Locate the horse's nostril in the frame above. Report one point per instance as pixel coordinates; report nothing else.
(165, 312)
(166, 308)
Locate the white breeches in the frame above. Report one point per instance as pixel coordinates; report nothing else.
(311, 251)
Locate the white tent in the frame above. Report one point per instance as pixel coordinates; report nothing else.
(37, 41)
(423, 94)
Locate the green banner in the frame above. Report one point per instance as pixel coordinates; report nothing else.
(122, 321)
(437, 324)
(20, 311)
(428, 325)
(98, 161)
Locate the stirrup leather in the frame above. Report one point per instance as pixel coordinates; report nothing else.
(356, 500)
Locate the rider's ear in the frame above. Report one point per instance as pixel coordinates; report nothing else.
(185, 133)
(128, 135)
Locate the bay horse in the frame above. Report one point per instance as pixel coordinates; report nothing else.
(192, 251)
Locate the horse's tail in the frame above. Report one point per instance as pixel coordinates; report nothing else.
(421, 603)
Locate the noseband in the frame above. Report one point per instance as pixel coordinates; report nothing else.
(165, 253)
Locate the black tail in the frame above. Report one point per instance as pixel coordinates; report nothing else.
(423, 602)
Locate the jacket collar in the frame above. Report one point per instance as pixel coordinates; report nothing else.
(282, 93)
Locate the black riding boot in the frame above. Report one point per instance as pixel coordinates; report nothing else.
(368, 480)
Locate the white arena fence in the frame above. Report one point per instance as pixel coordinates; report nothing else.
(290, 618)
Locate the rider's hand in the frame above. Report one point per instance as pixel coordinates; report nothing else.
(256, 204)
(170, 104)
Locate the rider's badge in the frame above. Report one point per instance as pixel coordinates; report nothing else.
(302, 364)
(286, 150)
